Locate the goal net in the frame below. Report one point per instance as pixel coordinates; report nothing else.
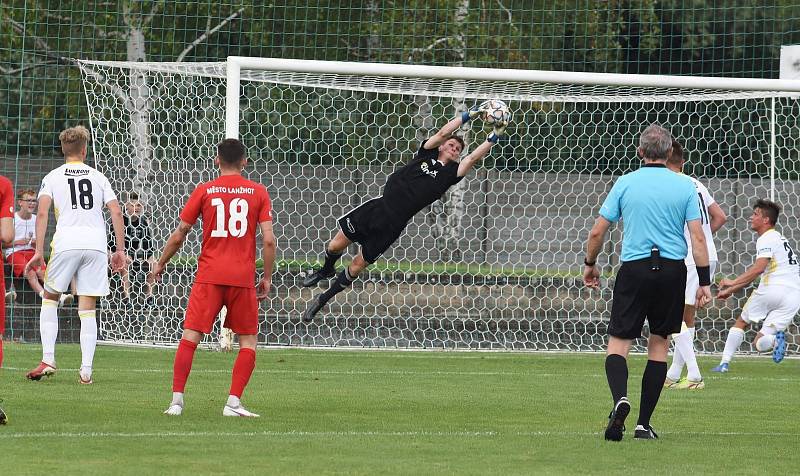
(496, 264)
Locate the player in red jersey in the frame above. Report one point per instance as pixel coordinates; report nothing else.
(231, 207)
(6, 239)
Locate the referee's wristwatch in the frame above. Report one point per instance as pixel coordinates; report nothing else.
(588, 263)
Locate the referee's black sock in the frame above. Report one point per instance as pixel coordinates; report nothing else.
(343, 281)
(617, 375)
(652, 382)
(331, 257)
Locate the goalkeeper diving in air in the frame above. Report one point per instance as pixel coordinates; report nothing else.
(377, 223)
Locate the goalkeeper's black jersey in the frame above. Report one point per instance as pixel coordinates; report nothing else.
(419, 183)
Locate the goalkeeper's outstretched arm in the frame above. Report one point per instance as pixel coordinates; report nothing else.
(445, 132)
(482, 150)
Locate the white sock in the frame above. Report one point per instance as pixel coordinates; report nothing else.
(687, 351)
(88, 340)
(732, 343)
(675, 370)
(177, 398)
(233, 401)
(48, 329)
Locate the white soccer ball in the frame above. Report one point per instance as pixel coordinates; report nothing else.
(496, 111)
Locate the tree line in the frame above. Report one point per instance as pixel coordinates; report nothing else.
(42, 90)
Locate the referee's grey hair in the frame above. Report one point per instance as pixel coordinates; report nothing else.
(655, 142)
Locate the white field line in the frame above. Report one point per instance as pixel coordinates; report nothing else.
(393, 372)
(407, 353)
(360, 434)
(422, 353)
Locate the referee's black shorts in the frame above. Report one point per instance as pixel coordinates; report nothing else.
(374, 226)
(640, 293)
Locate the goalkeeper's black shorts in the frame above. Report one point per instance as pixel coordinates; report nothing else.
(374, 226)
(640, 292)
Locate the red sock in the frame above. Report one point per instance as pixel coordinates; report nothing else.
(183, 364)
(242, 370)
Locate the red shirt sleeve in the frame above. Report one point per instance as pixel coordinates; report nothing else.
(193, 206)
(6, 198)
(265, 214)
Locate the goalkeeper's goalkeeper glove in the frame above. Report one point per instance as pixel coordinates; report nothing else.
(474, 112)
(499, 130)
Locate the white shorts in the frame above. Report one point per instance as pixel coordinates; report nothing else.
(775, 305)
(693, 282)
(88, 267)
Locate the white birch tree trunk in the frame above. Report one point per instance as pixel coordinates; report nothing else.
(140, 106)
(447, 214)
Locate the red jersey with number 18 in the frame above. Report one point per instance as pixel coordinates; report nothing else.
(231, 208)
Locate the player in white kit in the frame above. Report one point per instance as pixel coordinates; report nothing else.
(77, 193)
(712, 217)
(777, 298)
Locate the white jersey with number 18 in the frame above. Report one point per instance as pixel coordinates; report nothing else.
(79, 193)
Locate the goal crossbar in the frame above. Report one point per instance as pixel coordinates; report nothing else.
(700, 86)
(514, 75)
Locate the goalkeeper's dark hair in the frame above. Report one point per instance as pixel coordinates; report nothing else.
(230, 151)
(769, 209)
(459, 140)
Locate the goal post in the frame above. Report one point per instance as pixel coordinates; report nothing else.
(496, 263)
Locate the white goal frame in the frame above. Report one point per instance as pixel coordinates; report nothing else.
(456, 83)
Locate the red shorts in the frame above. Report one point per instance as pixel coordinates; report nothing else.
(19, 259)
(206, 300)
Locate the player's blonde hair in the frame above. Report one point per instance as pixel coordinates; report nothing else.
(73, 140)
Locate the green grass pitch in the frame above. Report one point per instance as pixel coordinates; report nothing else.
(384, 412)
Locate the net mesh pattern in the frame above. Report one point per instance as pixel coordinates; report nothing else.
(496, 263)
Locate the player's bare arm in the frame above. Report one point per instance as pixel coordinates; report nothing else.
(7, 230)
(729, 286)
(700, 255)
(445, 132)
(118, 259)
(699, 247)
(597, 235)
(268, 257)
(174, 243)
(468, 162)
(718, 217)
(482, 150)
(42, 216)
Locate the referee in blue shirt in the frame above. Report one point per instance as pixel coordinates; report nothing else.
(654, 204)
